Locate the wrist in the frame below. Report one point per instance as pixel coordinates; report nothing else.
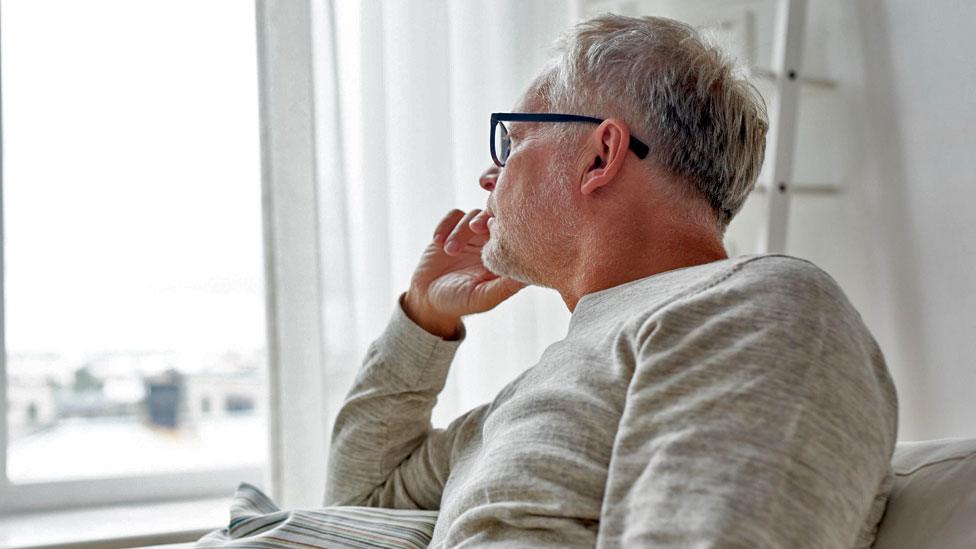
(433, 322)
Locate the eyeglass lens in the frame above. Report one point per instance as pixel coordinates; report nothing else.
(502, 142)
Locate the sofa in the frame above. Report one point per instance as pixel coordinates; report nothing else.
(932, 504)
(933, 501)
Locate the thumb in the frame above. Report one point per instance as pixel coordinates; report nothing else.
(490, 293)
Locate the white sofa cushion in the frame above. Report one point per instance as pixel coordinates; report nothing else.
(933, 500)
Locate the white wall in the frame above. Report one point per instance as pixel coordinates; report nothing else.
(899, 138)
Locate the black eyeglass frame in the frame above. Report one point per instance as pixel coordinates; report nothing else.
(636, 145)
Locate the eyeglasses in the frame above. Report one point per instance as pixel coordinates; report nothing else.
(501, 143)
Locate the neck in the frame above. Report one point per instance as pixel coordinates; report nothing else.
(609, 260)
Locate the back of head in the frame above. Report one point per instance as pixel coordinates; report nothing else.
(705, 123)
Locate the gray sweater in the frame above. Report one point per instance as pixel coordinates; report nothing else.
(740, 403)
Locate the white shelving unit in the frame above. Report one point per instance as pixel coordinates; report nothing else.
(787, 58)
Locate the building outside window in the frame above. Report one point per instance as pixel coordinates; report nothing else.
(133, 310)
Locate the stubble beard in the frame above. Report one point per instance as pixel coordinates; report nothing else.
(499, 258)
(537, 259)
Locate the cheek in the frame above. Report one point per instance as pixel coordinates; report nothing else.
(516, 195)
(505, 196)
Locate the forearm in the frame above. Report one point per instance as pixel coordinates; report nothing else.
(385, 420)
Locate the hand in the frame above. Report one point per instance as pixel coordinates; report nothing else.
(451, 281)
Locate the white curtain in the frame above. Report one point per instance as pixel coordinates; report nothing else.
(403, 92)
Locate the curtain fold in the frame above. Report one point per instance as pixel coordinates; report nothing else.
(416, 82)
(389, 133)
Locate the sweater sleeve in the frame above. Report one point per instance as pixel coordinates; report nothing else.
(384, 451)
(760, 414)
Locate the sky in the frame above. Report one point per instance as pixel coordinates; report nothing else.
(131, 176)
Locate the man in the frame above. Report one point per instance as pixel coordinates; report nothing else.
(696, 401)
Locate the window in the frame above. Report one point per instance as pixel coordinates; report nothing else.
(133, 315)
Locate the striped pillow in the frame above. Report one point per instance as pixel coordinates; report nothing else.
(255, 521)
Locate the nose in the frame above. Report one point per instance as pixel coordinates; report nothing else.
(488, 178)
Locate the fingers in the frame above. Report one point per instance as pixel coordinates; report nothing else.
(457, 229)
(461, 234)
(444, 227)
(479, 225)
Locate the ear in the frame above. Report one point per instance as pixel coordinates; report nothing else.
(604, 154)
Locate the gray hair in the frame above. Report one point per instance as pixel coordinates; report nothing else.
(682, 95)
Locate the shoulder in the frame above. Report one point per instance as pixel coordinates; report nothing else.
(767, 285)
(783, 300)
(772, 310)
(775, 272)
(782, 272)
(775, 303)
(776, 318)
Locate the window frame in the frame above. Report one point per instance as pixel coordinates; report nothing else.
(171, 486)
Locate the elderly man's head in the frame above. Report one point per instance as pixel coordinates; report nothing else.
(652, 78)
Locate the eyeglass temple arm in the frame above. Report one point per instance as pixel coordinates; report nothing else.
(636, 145)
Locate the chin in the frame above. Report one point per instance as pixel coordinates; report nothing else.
(498, 259)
